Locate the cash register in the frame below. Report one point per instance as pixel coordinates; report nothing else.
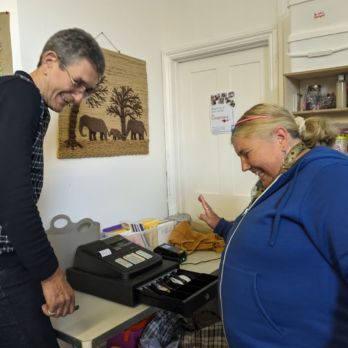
(122, 271)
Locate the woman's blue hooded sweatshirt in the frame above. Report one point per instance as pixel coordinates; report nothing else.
(284, 272)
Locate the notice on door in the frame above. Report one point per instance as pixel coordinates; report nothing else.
(222, 112)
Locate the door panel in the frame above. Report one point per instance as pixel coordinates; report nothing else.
(207, 162)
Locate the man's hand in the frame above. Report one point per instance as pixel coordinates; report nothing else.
(209, 216)
(59, 296)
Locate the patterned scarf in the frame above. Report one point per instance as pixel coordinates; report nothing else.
(290, 159)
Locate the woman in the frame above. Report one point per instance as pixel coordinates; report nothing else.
(283, 275)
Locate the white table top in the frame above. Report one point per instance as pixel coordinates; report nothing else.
(97, 318)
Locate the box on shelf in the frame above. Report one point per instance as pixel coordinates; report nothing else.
(318, 34)
(314, 15)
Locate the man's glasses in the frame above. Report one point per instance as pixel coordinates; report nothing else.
(78, 85)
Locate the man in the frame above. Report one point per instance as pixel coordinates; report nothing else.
(32, 286)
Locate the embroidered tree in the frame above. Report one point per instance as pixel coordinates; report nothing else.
(96, 99)
(124, 103)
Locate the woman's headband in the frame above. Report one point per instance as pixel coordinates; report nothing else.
(253, 117)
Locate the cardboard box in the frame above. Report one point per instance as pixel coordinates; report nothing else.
(318, 34)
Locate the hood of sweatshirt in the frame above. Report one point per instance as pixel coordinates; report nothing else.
(320, 157)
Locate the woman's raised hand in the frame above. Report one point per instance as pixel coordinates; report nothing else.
(208, 216)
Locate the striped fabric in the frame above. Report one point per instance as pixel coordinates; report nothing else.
(211, 336)
(37, 153)
(5, 245)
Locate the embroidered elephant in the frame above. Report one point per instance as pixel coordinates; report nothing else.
(115, 133)
(136, 127)
(94, 125)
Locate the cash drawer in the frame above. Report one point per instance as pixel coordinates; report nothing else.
(184, 298)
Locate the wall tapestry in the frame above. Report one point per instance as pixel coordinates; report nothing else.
(113, 121)
(5, 45)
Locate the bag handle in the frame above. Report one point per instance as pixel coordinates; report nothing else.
(54, 229)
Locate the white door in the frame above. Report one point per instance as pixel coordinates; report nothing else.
(207, 163)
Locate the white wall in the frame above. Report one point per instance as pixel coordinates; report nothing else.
(186, 22)
(109, 189)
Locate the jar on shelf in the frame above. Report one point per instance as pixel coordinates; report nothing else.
(328, 101)
(341, 143)
(312, 97)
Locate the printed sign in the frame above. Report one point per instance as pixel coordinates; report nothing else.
(222, 112)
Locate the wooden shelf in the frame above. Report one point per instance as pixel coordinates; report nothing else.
(297, 82)
(323, 112)
(309, 74)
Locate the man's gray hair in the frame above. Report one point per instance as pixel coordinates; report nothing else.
(72, 45)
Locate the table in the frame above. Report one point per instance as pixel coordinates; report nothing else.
(98, 319)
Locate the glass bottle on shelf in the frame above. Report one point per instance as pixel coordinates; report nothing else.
(341, 92)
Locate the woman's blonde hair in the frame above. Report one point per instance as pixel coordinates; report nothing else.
(318, 132)
(264, 118)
